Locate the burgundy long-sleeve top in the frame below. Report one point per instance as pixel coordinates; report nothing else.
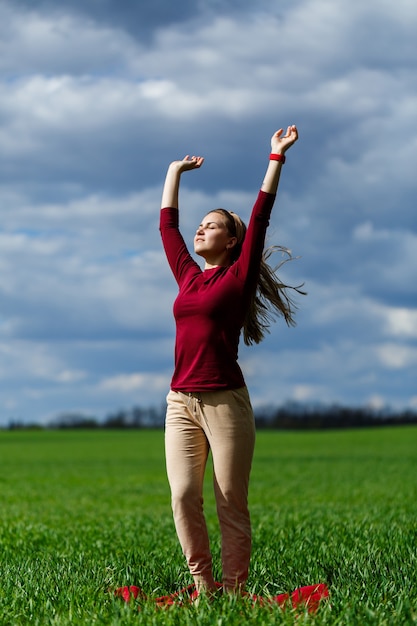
(210, 308)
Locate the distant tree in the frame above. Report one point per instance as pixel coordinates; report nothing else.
(116, 420)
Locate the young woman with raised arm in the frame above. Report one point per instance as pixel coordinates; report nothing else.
(208, 406)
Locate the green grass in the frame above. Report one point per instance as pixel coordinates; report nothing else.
(85, 512)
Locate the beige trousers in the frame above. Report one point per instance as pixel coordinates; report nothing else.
(223, 422)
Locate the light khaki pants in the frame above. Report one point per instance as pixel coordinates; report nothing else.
(223, 422)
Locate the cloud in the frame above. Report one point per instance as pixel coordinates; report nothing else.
(124, 383)
(402, 323)
(58, 43)
(397, 357)
(95, 102)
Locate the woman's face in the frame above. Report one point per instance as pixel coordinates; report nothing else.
(212, 238)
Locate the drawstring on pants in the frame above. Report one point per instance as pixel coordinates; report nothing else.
(198, 401)
(196, 397)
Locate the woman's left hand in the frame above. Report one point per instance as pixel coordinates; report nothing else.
(280, 143)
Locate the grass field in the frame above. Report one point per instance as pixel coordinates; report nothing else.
(83, 512)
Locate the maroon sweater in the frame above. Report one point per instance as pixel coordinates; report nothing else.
(210, 308)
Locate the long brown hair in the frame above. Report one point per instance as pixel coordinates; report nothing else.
(270, 298)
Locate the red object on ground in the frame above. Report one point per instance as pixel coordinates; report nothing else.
(129, 593)
(308, 597)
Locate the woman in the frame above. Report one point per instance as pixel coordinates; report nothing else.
(208, 406)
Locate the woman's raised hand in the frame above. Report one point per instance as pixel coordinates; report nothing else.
(188, 163)
(280, 143)
(173, 177)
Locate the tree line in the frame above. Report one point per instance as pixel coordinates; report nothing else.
(291, 416)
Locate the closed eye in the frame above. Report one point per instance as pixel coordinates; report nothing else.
(209, 225)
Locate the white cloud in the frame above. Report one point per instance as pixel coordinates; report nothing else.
(376, 402)
(144, 382)
(33, 361)
(402, 322)
(305, 393)
(396, 356)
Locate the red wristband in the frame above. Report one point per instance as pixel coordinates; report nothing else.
(277, 157)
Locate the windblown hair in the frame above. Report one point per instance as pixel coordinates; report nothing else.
(270, 299)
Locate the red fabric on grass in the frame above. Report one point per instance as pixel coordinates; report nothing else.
(308, 597)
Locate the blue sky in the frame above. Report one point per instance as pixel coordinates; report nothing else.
(96, 98)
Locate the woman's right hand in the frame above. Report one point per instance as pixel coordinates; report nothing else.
(173, 178)
(187, 163)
